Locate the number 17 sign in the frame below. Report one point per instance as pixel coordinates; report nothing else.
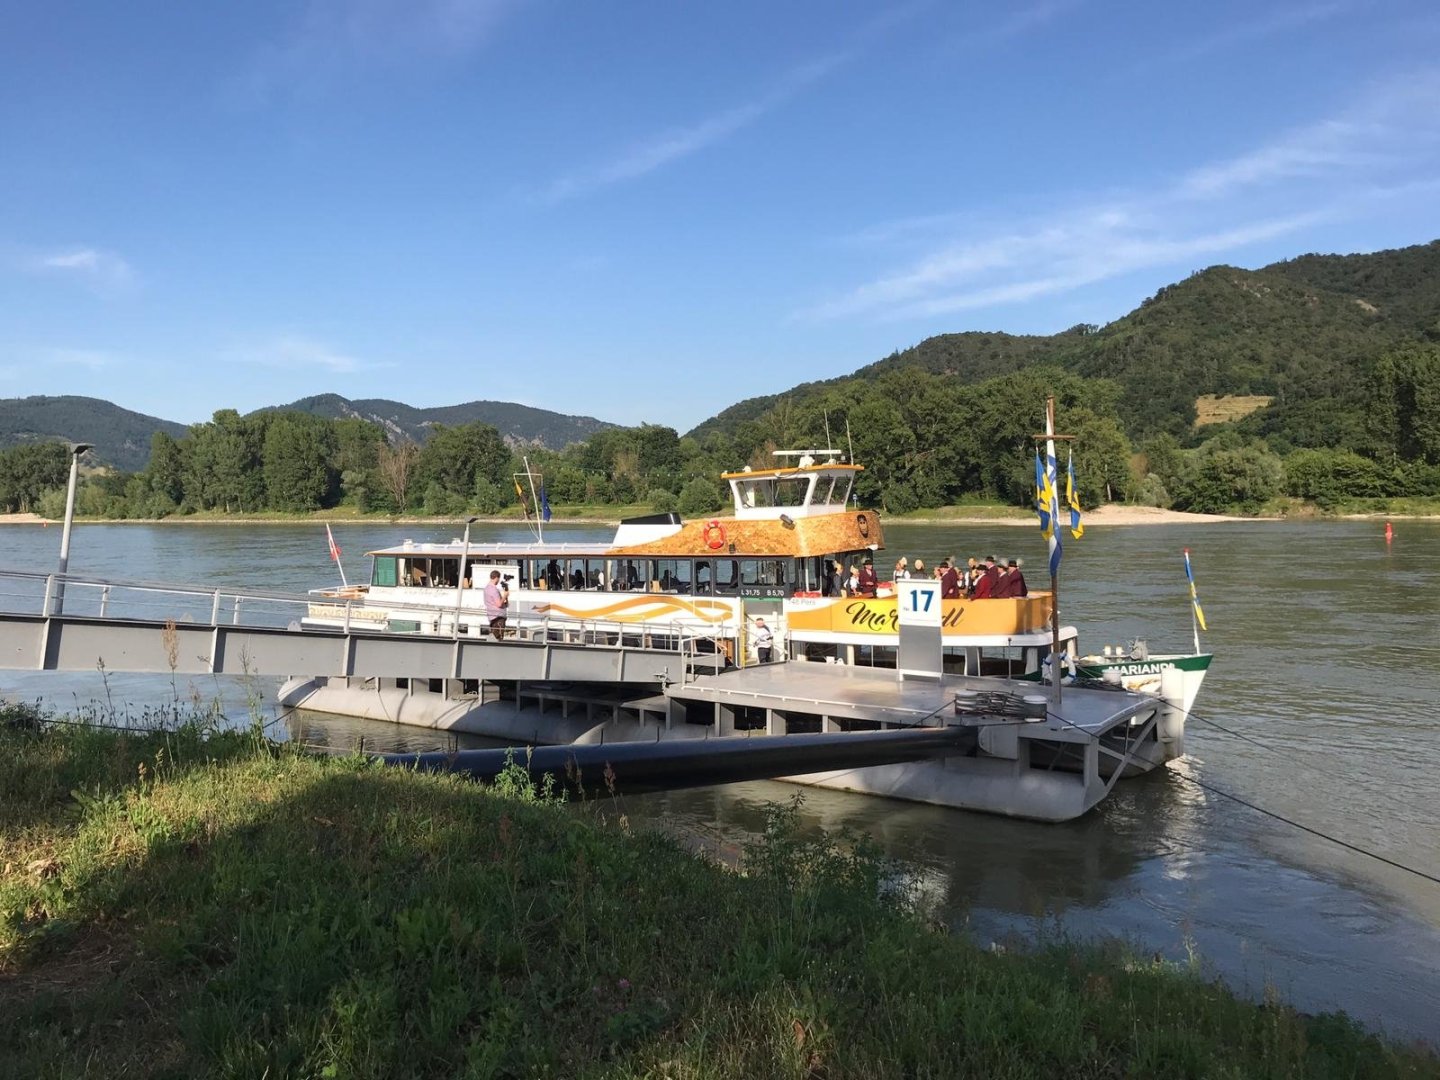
(919, 603)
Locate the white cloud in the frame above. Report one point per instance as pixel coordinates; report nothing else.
(1280, 21)
(331, 38)
(1385, 146)
(660, 150)
(292, 352)
(99, 269)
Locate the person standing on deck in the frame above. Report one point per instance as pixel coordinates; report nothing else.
(1001, 589)
(868, 580)
(949, 582)
(985, 587)
(764, 641)
(1015, 580)
(495, 604)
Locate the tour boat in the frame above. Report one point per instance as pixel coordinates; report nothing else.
(701, 588)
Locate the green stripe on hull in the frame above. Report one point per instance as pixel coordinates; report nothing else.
(1151, 666)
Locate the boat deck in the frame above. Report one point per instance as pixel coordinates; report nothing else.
(858, 693)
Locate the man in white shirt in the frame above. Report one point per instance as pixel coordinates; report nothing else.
(764, 641)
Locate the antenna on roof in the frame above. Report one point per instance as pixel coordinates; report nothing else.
(848, 444)
(827, 427)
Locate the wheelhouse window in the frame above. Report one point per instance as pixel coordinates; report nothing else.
(385, 571)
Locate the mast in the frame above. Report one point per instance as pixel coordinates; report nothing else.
(534, 501)
(1052, 472)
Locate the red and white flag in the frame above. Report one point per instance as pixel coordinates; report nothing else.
(334, 547)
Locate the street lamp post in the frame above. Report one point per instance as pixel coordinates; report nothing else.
(76, 449)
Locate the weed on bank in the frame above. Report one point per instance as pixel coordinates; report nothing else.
(192, 903)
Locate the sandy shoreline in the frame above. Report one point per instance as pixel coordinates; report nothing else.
(1113, 514)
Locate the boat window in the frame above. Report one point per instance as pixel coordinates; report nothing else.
(384, 571)
(631, 575)
(727, 576)
(704, 577)
(791, 491)
(595, 576)
(673, 575)
(762, 571)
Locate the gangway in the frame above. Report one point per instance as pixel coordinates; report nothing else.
(150, 627)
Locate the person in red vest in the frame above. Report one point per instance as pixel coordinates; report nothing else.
(1015, 580)
(949, 582)
(868, 580)
(985, 587)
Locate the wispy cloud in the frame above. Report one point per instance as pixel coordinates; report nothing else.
(1379, 149)
(1236, 34)
(90, 359)
(329, 39)
(291, 352)
(97, 269)
(669, 146)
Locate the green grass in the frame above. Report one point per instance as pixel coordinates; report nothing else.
(174, 904)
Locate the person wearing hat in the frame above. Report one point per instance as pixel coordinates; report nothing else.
(868, 580)
(949, 581)
(902, 569)
(1014, 582)
(763, 640)
(852, 583)
(985, 587)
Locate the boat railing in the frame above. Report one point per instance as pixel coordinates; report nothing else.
(74, 595)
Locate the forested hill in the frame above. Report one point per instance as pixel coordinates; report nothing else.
(519, 425)
(121, 437)
(1304, 332)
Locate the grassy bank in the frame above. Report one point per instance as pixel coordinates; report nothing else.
(174, 905)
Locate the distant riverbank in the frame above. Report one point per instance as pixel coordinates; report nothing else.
(1111, 514)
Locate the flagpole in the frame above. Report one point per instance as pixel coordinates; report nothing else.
(1194, 614)
(335, 554)
(1056, 665)
(535, 502)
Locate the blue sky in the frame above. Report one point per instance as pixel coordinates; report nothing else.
(649, 211)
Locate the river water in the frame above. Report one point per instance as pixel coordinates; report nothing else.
(1322, 706)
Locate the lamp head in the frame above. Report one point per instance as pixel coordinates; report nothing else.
(80, 447)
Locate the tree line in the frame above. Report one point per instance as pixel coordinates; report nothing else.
(926, 440)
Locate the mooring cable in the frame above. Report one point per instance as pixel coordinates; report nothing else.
(1423, 874)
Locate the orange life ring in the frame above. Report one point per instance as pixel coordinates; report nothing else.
(714, 535)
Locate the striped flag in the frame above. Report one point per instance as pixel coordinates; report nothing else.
(1042, 503)
(334, 547)
(1076, 529)
(1194, 599)
(1052, 503)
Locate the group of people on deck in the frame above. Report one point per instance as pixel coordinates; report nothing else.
(990, 579)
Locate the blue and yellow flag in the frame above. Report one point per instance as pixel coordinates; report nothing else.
(1042, 500)
(1194, 599)
(1052, 500)
(1076, 529)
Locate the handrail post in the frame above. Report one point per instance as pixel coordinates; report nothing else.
(49, 592)
(235, 619)
(104, 600)
(215, 610)
(349, 606)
